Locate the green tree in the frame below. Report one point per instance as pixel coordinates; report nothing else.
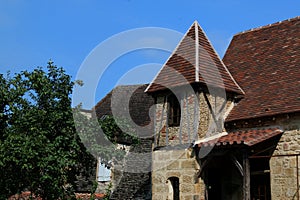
(40, 150)
(100, 136)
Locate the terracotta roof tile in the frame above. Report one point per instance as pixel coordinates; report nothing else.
(266, 64)
(194, 60)
(248, 137)
(24, 195)
(87, 196)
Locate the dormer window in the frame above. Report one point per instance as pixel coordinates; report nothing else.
(174, 113)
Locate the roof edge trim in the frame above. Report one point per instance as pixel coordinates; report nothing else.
(266, 26)
(213, 137)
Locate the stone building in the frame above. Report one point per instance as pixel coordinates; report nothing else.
(225, 129)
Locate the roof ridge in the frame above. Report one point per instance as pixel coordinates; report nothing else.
(277, 127)
(197, 51)
(114, 89)
(130, 85)
(268, 25)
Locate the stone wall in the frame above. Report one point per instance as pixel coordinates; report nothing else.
(197, 120)
(175, 163)
(170, 158)
(284, 170)
(132, 180)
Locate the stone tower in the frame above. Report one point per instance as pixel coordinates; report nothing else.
(194, 91)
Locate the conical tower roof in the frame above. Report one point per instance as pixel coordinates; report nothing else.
(194, 61)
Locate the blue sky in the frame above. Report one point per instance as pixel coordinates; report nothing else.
(32, 32)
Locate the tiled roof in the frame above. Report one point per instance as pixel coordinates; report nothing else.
(248, 137)
(194, 60)
(266, 63)
(127, 99)
(129, 103)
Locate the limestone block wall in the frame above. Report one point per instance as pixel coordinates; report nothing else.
(284, 177)
(175, 163)
(284, 170)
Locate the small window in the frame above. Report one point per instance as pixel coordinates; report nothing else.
(103, 174)
(174, 111)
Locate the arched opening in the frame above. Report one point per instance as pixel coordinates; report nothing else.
(223, 179)
(173, 185)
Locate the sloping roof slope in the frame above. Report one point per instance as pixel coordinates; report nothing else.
(127, 99)
(247, 137)
(194, 60)
(266, 64)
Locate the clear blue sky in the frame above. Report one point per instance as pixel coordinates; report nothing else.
(67, 31)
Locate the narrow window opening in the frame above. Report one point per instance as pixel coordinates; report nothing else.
(174, 111)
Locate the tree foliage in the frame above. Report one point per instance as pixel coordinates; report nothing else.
(45, 144)
(100, 136)
(40, 150)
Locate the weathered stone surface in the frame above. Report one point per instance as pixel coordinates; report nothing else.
(173, 174)
(197, 188)
(185, 174)
(178, 154)
(186, 188)
(188, 197)
(196, 119)
(196, 123)
(283, 169)
(187, 164)
(174, 165)
(133, 180)
(187, 179)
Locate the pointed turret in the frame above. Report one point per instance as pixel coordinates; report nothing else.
(194, 61)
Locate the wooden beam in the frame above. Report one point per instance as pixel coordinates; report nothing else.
(196, 117)
(161, 120)
(188, 116)
(181, 117)
(167, 121)
(246, 178)
(212, 112)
